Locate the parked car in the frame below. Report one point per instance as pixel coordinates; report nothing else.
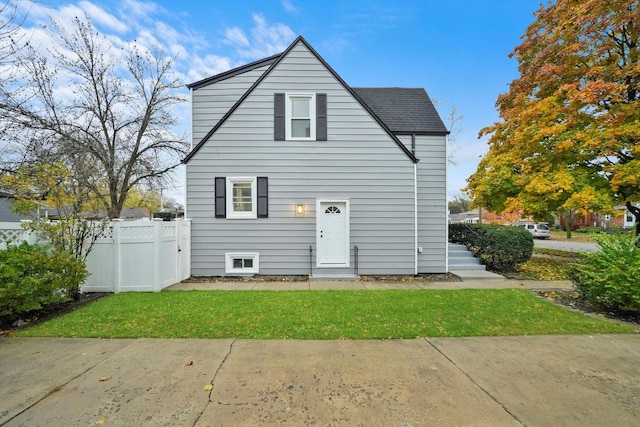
(540, 230)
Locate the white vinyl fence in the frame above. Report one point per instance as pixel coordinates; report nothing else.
(132, 256)
(12, 232)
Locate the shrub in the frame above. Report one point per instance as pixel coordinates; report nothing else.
(609, 277)
(590, 230)
(499, 247)
(33, 277)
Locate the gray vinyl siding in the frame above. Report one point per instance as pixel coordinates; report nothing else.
(359, 162)
(210, 103)
(6, 211)
(432, 203)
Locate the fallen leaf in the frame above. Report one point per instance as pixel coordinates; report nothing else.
(102, 420)
(208, 387)
(105, 378)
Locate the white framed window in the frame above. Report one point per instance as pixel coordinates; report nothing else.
(241, 198)
(300, 116)
(242, 263)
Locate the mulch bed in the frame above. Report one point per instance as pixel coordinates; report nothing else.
(448, 277)
(574, 300)
(54, 310)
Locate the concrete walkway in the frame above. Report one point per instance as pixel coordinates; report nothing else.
(497, 282)
(489, 381)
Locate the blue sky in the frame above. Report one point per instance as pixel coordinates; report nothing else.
(456, 49)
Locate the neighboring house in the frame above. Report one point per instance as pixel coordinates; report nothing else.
(135, 213)
(7, 214)
(295, 172)
(469, 217)
(627, 219)
(6, 209)
(621, 219)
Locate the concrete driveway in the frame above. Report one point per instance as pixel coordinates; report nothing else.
(488, 381)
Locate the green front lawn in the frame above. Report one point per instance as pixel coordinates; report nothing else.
(321, 315)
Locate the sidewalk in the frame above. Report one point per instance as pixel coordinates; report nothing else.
(487, 381)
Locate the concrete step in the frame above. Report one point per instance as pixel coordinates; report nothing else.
(331, 277)
(467, 267)
(460, 258)
(466, 275)
(461, 255)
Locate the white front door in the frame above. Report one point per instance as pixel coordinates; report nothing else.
(332, 233)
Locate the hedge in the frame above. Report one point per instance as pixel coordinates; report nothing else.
(499, 247)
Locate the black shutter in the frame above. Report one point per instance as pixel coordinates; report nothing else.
(221, 199)
(278, 117)
(263, 197)
(321, 117)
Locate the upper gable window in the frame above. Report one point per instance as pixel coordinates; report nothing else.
(300, 116)
(300, 119)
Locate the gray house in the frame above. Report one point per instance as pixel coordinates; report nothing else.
(294, 172)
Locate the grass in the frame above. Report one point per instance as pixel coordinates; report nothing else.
(321, 315)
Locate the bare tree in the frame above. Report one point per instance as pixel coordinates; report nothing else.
(106, 113)
(461, 202)
(453, 122)
(10, 22)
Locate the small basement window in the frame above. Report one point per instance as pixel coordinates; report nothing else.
(242, 263)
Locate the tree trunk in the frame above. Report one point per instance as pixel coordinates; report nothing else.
(568, 223)
(636, 212)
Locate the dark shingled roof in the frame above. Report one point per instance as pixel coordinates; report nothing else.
(404, 110)
(234, 72)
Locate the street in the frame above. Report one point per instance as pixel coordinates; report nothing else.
(564, 245)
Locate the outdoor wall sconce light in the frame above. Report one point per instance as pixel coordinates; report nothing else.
(299, 210)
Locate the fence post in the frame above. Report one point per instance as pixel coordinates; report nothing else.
(115, 254)
(178, 236)
(157, 241)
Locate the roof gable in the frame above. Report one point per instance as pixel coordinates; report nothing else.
(233, 72)
(276, 60)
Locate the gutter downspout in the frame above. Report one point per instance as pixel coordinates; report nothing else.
(413, 144)
(186, 205)
(415, 217)
(446, 205)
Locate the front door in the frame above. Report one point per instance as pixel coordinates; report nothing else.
(332, 233)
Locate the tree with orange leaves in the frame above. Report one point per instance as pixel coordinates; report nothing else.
(569, 135)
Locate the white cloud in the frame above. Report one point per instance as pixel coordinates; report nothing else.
(136, 9)
(101, 17)
(270, 38)
(207, 66)
(289, 6)
(266, 39)
(236, 37)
